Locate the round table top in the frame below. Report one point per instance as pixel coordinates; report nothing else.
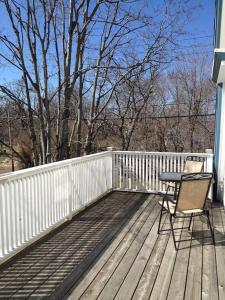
(171, 176)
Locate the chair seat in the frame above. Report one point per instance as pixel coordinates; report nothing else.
(172, 206)
(166, 204)
(169, 184)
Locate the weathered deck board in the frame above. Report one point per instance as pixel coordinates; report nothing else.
(128, 271)
(105, 273)
(163, 279)
(218, 221)
(124, 238)
(125, 253)
(146, 282)
(194, 274)
(112, 251)
(178, 280)
(157, 271)
(145, 258)
(55, 263)
(209, 269)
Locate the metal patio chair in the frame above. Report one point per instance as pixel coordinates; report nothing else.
(193, 164)
(192, 196)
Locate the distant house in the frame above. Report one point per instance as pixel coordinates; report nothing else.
(219, 79)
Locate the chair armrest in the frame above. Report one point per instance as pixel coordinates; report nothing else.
(167, 202)
(169, 184)
(167, 198)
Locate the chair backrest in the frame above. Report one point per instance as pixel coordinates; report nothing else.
(193, 164)
(193, 191)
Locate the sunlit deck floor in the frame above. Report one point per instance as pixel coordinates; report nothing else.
(112, 251)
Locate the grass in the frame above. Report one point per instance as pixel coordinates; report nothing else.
(2, 158)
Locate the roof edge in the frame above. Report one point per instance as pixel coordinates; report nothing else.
(219, 56)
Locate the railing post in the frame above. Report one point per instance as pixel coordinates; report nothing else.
(209, 168)
(110, 150)
(209, 160)
(70, 190)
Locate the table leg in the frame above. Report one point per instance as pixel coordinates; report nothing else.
(175, 191)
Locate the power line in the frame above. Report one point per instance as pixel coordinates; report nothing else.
(179, 39)
(140, 118)
(152, 117)
(180, 116)
(197, 37)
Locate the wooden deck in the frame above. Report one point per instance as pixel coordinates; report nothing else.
(112, 251)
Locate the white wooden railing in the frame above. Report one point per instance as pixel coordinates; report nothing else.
(33, 201)
(140, 171)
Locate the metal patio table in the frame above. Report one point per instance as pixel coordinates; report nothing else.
(172, 177)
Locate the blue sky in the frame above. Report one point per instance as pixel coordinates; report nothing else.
(200, 31)
(203, 23)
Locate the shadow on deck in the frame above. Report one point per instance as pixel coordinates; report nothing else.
(42, 270)
(112, 251)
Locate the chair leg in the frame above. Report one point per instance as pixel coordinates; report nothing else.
(171, 225)
(160, 218)
(189, 226)
(210, 227)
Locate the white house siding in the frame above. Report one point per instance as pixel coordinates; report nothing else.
(220, 143)
(219, 78)
(219, 35)
(217, 126)
(222, 30)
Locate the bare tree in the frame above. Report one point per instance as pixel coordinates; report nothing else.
(129, 104)
(73, 57)
(119, 59)
(193, 94)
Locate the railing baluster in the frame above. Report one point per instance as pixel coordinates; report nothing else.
(3, 220)
(153, 172)
(132, 172)
(128, 173)
(142, 169)
(160, 168)
(2, 224)
(139, 173)
(124, 170)
(156, 171)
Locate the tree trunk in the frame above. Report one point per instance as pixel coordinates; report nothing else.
(48, 138)
(64, 151)
(89, 141)
(79, 109)
(78, 132)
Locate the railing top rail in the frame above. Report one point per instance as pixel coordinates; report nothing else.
(50, 166)
(55, 165)
(165, 153)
